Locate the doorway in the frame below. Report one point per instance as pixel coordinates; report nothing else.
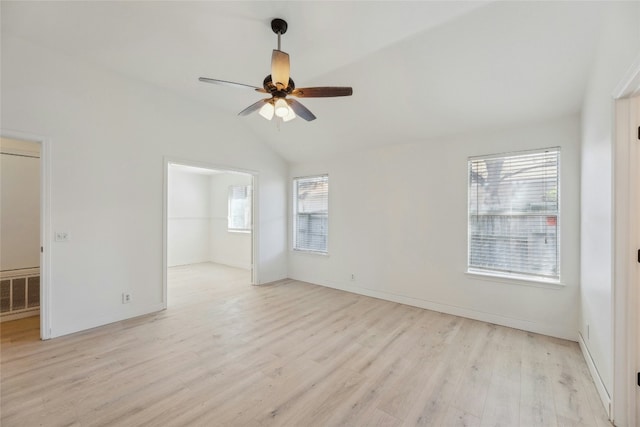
(209, 227)
(633, 107)
(635, 215)
(24, 228)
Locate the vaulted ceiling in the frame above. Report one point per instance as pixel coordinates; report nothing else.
(419, 70)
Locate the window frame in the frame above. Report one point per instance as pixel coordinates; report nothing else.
(294, 206)
(515, 276)
(249, 198)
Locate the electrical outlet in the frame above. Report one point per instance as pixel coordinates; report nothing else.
(62, 236)
(353, 277)
(126, 297)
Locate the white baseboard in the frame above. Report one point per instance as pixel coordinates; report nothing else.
(602, 390)
(20, 315)
(239, 265)
(275, 282)
(510, 322)
(105, 320)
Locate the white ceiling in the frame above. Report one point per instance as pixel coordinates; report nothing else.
(419, 70)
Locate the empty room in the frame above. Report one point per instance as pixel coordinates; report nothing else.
(318, 213)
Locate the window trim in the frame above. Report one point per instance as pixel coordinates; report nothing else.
(294, 210)
(515, 277)
(249, 197)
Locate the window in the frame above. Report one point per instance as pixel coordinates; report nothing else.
(514, 215)
(311, 213)
(239, 218)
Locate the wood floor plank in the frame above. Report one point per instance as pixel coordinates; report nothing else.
(571, 402)
(472, 396)
(363, 403)
(434, 404)
(422, 373)
(225, 353)
(537, 407)
(458, 418)
(502, 405)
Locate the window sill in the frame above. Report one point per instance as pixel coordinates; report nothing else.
(515, 279)
(309, 252)
(240, 231)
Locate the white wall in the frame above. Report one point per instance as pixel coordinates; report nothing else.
(619, 46)
(227, 247)
(188, 218)
(398, 221)
(109, 136)
(19, 205)
(197, 219)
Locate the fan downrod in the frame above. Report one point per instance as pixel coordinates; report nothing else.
(279, 26)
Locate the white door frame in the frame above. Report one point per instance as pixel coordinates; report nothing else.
(45, 225)
(626, 200)
(165, 205)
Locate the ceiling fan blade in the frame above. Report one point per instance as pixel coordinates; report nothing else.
(301, 110)
(253, 107)
(280, 69)
(232, 84)
(322, 92)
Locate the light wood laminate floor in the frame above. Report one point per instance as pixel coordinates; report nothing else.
(291, 354)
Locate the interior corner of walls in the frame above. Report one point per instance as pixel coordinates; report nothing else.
(266, 278)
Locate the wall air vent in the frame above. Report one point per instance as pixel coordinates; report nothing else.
(19, 294)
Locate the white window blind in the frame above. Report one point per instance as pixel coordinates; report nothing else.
(311, 213)
(514, 214)
(239, 218)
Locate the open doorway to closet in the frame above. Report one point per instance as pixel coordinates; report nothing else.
(20, 232)
(209, 229)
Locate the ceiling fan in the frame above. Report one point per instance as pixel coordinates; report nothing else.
(279, 85)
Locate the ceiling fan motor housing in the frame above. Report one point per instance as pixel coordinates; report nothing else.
(271, 88)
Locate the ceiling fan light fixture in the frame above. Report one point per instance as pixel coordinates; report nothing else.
(267, 110)
(290, 116)
(281, 108)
